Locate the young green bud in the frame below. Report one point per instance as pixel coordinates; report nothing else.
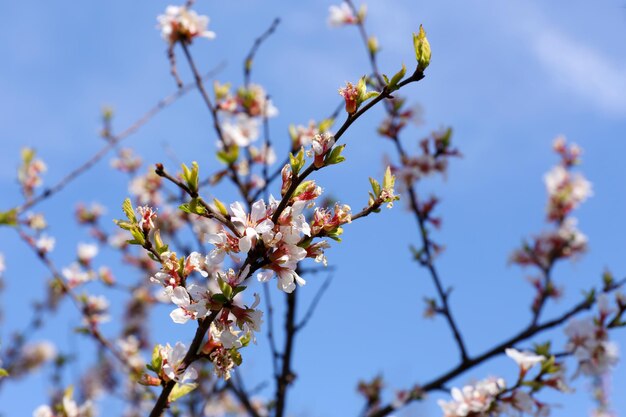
(422, 49)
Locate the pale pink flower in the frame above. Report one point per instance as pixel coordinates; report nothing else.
(242, 132)
(341, 15)
(86, 252)
(252, 225)
(45, 243)
(525, 360)
(75, 275)
(476, 398)
(180, 24)
(147, 215)
(172, 360)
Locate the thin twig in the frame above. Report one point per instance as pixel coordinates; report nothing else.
(525, 334)
(234, 176)
(270, 330)
(78, 303)
(286, 376)
(191, 356)
(247, 63)
(114, 140)
(311, 310)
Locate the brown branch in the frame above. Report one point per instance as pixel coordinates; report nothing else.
(525, 334)
(286, 376)
(311, 310)
(242, 395)
(78, 303)
(210, 212)
(216, 123)
(385, 93)
(429, 264)
(192, 355)
(270, 330)
(443, 295)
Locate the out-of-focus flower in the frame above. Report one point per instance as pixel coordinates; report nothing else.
(341, 15)
(525, 360)
(45, 243)
(180, 24)
(473, 400)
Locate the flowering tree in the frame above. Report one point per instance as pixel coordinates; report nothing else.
(211, 261)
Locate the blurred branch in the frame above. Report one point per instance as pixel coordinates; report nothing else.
(112, 141)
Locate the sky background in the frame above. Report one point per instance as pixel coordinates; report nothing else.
(507, 76)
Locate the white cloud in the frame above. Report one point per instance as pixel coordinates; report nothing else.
(583, 70)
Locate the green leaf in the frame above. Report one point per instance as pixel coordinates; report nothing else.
(370, 94)
(3, 373)
(375, 187)
(228, 157)
(220, 298)
(220, 206)
(28, 154)
(422, 49)
(138, 235)
(388, 180)
(238, 289)
(236, 356)
(127, 207)
(296, 162)
(9, 217)
(124, 224)
(180, 390)
(157, 361)
(397, 77)
(192, 207)
(325, 124)
(227, 290)
(335, 157)
(158, 242)
(543, 349)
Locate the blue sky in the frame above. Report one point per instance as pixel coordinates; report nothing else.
(508, 77)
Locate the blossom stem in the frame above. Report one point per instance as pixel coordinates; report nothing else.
(249, 60)
(191, 356)
(216, 124)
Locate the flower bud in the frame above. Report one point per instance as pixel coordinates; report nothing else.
(422, 49)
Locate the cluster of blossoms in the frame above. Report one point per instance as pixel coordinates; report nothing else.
(179, 24)
(588, 340)
(302, 136)
(146, 189)
(491, 398)
(435, 153)
(66, 407)
(564, 242)
(168, 364)
(355, 95)
(31, 357)
(566, 190)
(29, 172)
(126, 161)
(242, 114)
(80, 272)
(399, 117)
(89, 215)
(475, 400)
